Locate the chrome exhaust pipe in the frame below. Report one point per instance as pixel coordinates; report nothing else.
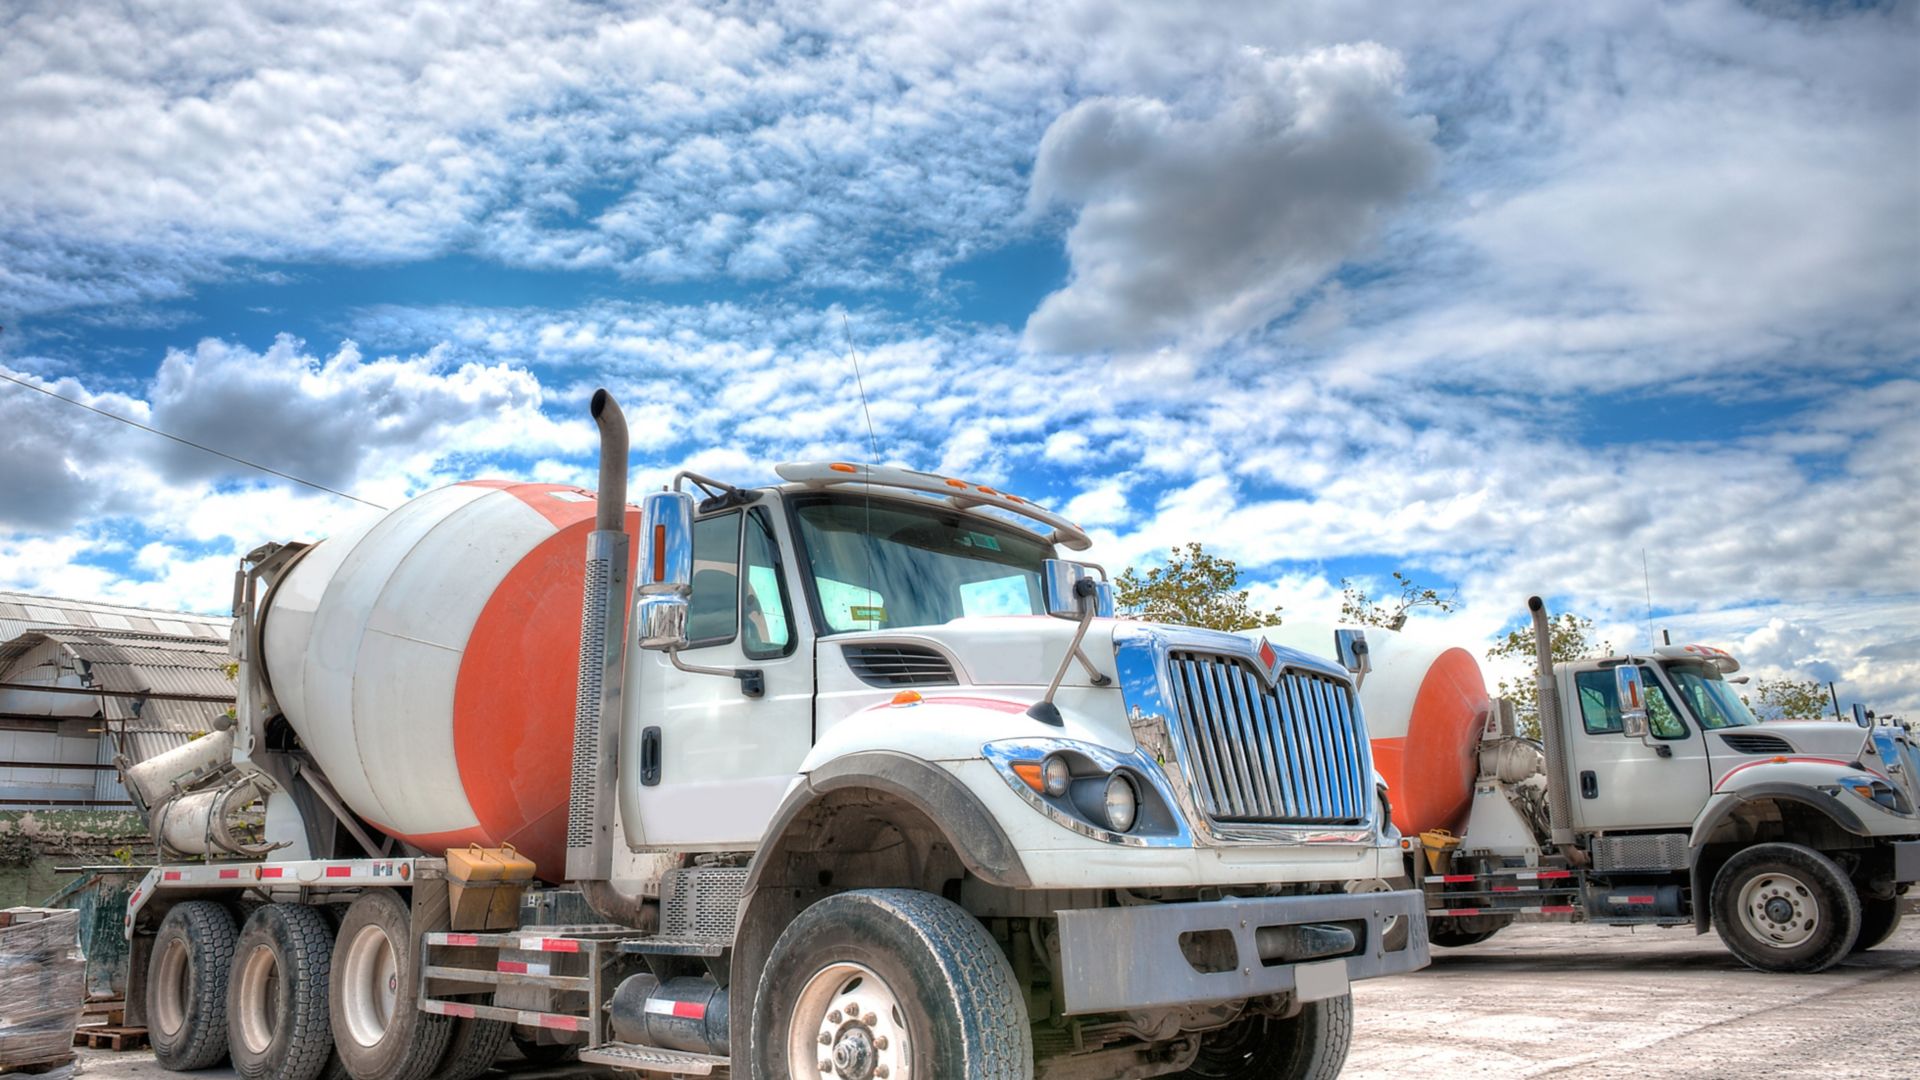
(603, 635)
(1552, 736)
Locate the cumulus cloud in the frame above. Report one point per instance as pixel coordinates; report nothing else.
(1205, 226)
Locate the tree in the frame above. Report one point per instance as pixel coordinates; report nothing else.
(1357, 607)
(1193, 589)
(1572, 639)
(1780, 699)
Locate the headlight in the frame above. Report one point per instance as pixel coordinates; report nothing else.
(1055, 775)
(1875, 790)
(1122, 802)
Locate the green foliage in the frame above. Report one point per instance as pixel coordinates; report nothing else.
(1193, 589)
(1571, 636)
(1781, 699)
(1357, 607)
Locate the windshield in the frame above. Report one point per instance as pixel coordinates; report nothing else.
(1711, 697)
(882, 564)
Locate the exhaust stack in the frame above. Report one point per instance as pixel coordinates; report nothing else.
(1552, 736)
(603, 635)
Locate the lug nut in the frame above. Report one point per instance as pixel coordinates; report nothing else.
(879, 1042)
(869, 1019)
(881, 1071)
(833, 1017)
(826, 1067)
(826, 1039)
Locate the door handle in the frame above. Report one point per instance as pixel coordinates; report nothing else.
(650, 757)
(1589, 784)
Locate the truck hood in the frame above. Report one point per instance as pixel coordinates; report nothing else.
(1807, 738)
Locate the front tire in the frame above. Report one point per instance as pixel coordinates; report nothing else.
(1878, 920)
(187, 986)
(1785, 908)
(277, 996)
(380, 1032)
(1457, 939)
(891, 977)
(1311, 1045)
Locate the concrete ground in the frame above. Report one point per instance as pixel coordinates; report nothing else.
(1561, 1001)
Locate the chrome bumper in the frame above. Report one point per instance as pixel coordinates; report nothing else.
(1115, 959)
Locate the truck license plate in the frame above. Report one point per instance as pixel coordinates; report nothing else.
(1320, 980)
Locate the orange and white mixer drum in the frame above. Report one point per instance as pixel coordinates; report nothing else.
(1424, 704)
(428, 659)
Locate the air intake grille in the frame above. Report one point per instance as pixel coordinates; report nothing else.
(1758, 744)
(1291, 754)
(899, 665)
(701, 903)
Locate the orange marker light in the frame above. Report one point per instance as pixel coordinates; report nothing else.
(1029, 773)
(907, 697)
(988, 490)
(957, 483)
(659, 553)
(840, 466)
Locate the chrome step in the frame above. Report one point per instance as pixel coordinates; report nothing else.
(674, 946)
(651, 1060)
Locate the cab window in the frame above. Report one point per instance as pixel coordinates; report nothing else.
(713, 609)
(1600, 705)
(767, 625)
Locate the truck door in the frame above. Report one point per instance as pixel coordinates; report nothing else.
(1619, 782)
(724, 760)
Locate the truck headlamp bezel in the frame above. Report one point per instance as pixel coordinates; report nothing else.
(1083, 805)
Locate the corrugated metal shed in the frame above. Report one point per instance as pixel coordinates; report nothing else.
(20, 612)
(135, 709)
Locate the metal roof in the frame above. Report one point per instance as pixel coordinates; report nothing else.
(20, 612)
(128, 663)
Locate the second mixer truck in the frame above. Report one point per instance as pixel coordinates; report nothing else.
(1653, 797)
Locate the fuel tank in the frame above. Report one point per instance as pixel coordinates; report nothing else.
(1425, 705)
(428, 660)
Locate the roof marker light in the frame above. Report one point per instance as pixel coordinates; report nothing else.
(841, 466)
(907, 697)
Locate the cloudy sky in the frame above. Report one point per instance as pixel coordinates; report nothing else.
(1502, 295)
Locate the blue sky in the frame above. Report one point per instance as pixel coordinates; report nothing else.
(1501, 297)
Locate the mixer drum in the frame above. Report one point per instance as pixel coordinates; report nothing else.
(428, 661)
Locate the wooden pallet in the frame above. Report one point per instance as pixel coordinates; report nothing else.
(35, 1068)
(102, 1037)
(113, 1009)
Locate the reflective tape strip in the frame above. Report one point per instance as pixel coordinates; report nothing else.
(453, 939)
(170, 875)
(271, 871)
(339, 871)
(447, 1008)
(688, 1010)
(520, 967)
(555, 1021)
(1457, 879)
(537, 944)
(229, 874)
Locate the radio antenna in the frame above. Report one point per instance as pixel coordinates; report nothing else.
(873, 458)
(1646, 576)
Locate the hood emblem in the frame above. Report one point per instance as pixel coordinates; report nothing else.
(1269, 660)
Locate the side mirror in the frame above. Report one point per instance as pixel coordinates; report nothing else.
(1067, 588)
(665, 572)
(1351, 647)
(1631, 692)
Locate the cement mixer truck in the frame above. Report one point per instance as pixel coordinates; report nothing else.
(853, 776)
(1653, 798)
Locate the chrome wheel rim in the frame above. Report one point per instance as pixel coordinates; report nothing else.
(259, 998)
(848, 1025)
(171, 988)
(1779, 910)
(369, 985)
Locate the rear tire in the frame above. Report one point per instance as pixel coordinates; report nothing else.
(187, 986)
(1785, 908)
(1311, 1045)
(277, 996)
(472, 1048)
(1878, 920)
(378, 1027)
(926, 992)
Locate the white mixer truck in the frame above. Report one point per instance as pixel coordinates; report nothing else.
(860, 781)
(1654, 797)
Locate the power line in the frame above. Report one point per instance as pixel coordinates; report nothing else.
(189, 442)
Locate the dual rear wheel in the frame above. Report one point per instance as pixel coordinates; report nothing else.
(287, 996)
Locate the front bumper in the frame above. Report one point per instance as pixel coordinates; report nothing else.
(1906, 862)
(1122, 958)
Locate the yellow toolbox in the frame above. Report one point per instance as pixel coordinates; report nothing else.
(484, 886)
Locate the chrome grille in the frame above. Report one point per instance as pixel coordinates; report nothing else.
(1295, 753)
